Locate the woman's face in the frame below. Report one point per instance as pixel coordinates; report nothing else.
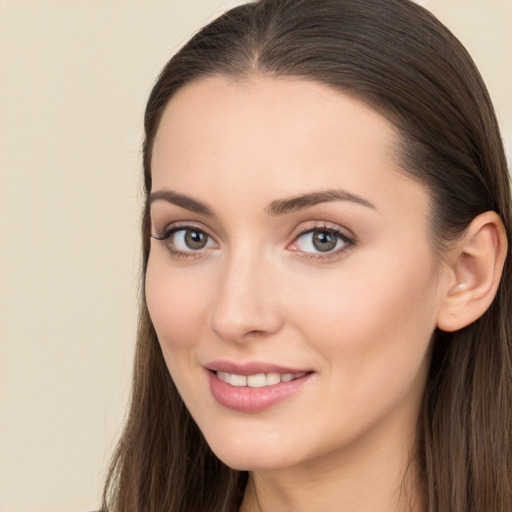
(291, 280)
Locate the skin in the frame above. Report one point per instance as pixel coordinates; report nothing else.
(361, 318)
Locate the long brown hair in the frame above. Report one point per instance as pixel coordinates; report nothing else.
(396, 57)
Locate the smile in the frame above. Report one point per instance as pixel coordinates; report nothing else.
(254, 391)
(258, 380)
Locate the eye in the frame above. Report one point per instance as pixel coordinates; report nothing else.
(181, 240)
(321, 240)
(191, 240)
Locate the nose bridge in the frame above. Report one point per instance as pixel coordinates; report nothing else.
(244, 302)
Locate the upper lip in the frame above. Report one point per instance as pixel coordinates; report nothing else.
(251, 368)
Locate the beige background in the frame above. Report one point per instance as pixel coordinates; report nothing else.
(74, 76)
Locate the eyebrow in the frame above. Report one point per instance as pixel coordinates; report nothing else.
(275, 208)
(302, 202)
(180, 200)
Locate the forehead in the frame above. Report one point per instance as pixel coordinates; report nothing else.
(261, 137)
(241, 117)
(259, 106)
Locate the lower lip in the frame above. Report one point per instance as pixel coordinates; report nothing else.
(247, 399)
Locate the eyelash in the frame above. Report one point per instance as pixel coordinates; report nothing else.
(348, 241)
(170, 231)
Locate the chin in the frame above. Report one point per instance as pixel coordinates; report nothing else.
(253, 462)
(253, 454)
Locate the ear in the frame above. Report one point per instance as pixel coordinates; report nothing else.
(475, 267)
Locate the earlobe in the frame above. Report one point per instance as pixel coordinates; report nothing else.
(475, 270)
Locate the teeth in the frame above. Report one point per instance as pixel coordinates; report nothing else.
(256, 381)
(238, 380)
(259, 379)
(273, 378)
(225, 376)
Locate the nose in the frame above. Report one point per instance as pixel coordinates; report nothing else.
(246, 304)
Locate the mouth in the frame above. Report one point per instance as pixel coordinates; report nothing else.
(258, 380)
(254, 387)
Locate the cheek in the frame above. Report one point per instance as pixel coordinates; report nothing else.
(376, 313)
(176, 303)
(372, 330)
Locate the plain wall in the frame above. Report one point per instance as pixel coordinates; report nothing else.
(74, 78)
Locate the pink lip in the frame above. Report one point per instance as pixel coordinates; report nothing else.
(247, 399)
(251, 368)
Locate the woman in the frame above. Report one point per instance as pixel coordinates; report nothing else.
(325, 322)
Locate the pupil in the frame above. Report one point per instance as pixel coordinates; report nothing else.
(195, 239)
(324, 241)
